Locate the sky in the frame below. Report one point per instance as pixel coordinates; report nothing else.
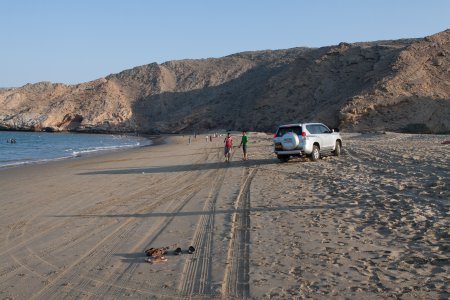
(74, 41)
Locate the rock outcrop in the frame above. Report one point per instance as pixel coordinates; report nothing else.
(401, 85)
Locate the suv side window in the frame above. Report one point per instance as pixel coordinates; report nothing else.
(322, 129)
(311, 129)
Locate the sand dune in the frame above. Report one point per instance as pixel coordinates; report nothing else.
(372, 223)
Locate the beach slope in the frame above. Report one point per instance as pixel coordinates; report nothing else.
(372, 223)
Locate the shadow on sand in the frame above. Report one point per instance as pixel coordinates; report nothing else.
(185, 168)
(292, 208)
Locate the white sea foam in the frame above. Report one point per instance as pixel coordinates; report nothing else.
(99, 149)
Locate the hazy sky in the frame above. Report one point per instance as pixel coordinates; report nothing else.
(81, 40)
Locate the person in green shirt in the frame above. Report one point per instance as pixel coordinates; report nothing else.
(243, 143)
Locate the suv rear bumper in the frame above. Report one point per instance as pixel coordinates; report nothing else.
(290, 152)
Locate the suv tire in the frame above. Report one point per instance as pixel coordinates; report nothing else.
(283, 158)
(337, 149)
(315, 154)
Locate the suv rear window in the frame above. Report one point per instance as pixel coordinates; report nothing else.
(283, 130)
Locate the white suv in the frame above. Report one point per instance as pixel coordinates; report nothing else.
(311, 139)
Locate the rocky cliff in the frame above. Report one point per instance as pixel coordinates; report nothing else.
(401, 85)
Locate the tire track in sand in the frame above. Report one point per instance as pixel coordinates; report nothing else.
(236, 278)
(119, 286)
(110, 242)
(120, 281)
(21, 225)
(196, 278)
(17, 263)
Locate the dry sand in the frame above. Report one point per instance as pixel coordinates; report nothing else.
(372, 223)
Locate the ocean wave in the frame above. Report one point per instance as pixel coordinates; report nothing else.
(99, 149)
(30, 161)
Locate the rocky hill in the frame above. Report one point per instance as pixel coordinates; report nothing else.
(401, 85)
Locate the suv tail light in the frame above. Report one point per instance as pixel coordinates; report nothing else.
(274, 135)
(303, 134)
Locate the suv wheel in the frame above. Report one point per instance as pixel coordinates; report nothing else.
(315, 154)
(283, 158)
(337, 149)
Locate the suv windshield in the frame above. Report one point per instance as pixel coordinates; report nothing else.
(283, 130)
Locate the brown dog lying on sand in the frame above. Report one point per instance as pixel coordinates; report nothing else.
(156, 251)
(156, 254)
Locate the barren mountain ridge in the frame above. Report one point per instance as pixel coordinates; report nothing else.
(401, 85)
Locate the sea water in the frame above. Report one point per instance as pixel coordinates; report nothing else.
(33, 147)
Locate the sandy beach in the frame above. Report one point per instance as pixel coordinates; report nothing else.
(370, 224)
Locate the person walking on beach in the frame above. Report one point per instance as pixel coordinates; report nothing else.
(228, 147)
(243, 143)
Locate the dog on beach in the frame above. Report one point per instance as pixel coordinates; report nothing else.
(157, 254)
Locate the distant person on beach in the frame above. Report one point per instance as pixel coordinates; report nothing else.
(228, 147)
(243, 143)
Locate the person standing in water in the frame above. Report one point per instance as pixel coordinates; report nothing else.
(228, 147)
(243, 143)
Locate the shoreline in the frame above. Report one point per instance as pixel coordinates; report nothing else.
(153, 141)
